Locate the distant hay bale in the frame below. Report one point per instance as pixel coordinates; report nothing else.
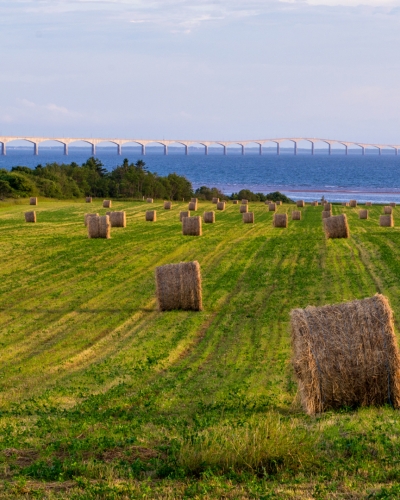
(326, 214)
(107, 204)
(89, 199)
(117, 219)
(386, 221)
(300, 203)
(30, 216)
(314, 203)
(245, 202)
(393, 205)
(191, 226)
(194, 200)
(99, 227)
(167, 205)
(243, 209)
(353, 203)
(345, 204)
(279, 203)
(280, 220)
(387, 210)
(179, 287)
(235, 202)
(151, 216)
(149, 200)
(272, 207)
(336, 227)
(221, 205)
(296, 215)
(368, 204)
(209, 217)
(184, 214)
(33, 201)
(215, 200)
(192, 205)
(346, 355)
(327, 206)
(248, 217)
(87, 216)
(363, 214)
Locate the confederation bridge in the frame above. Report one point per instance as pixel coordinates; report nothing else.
(66, 141)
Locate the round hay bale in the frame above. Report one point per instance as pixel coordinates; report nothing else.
(192, 205)
(300, 203)
(326, 214)
(117, 219)
(345, 204)
(243, 209)
(393, 205)
(368, 204)
(191, 226)
(87, 216)
(179, 287)
(99, 227)
(248, 217)
(314, 203)
(346, 355)
(149, 200)
(386, 221)
(151, 216)
(272, 207)
(296, 215)
(245, 202)
(280, 220)
(107, 204)
(215, 200)
(30, 216)
(279, 203)
(88, 199)
(221, 205)
(184, 214)
(194, 200)
(327, 206)
(33, 201)
(209, 217)
(235, 202)
(167, 205)
(336, 226)
(353, 203)
(363, 214)
(387, 210)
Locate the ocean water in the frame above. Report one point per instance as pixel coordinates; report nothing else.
(337, 177)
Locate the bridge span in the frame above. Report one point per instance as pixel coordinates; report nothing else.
(66, 141)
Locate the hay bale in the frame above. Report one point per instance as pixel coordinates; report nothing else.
(363, 214)
(107, 204)
(235, 202)
(209, 217)
(345, 204)
(151, 215)
(314, 203)
(243, 209)
(280, 220)
(393, 205)
(386, 220)
(191, 226)
(99, 227)
(194, 200)
(30, 216)
(353, 203)
(167, 205)
(184, 214)
(368, 204)
(149, 200)
(221, 205)
(89, 199)
(215, 200)
(179, 287)
(33, 201)
(272, 207)
(296, 215)
(279, 203)
(193, 205)
(346, 355)
(245, 202)
(326, 214)
(87, 216)
(327, 206)
(300, 203)
(248, 217)
(387, 210)
(117, 219)
(336, 227)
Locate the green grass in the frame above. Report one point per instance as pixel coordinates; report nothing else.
(101, 396)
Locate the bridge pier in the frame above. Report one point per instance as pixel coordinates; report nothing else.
(312, 148)
(186, 149)
(3, 149)
(143, 150)
(206, 149)
(242, 145)
(295, 148)
(66, 149)
(225, 151)
(396, 151)
(165, 150)
(347, 149)
(278, 148)
(380, 151)
(330, 148)
(363, 151)
(260, 150)
(119, 149)
(93, 149)
(35, 149)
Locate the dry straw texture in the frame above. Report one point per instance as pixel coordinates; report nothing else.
(300, 203)
(393, 205)
(386, 220)
(184, 214)
(167, 205)
(89, 199)
(368, 204)
(363, 214)
(387, 210)
(248, 217)
(245, 202)
(326, 214)
(336, 227)
(353, 203)
(191, 226)
(99, 227)
(346, 355)
(209, 217)
(87, 216)
(151, 215)
(194, 200)
(179, 287)
(235, 202)
(117, 219)
(221, 205)
(215, 200)
(107, 204)
(280, 220)
(149, 200)
(345, 204)
(327, 206)
(272, 207)
(279, 203)
(314, 203)
(33, 201)
(244, 209)
(30, 216)
(296, 215)
(193, 205)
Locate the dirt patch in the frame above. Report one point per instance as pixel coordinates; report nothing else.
(22, 458)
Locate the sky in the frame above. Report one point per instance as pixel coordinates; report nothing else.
(201, 69)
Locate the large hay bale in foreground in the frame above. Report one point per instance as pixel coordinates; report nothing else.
(99, 227)
(368, 204)
(243, 209)
(215, 200)
(393, 205)
(245, 202)
(89, 199)
(33, 201)
(117, 219)
(235, 202)
(179, 287)
(386, 220)
(326, 214)
(336, 227)
(314, 204)
(192, 205)
(296, 215)
(30, 216)
(167, 205)
(87, 216)
(363, 214)
(280, 220)
(387, 210)
(151, 215)
(184, 214)
(149, 200)
(107, 204)
(353, 203)
(221, 205)
(209, 217)
(248, 217)
(300, 203)
(272, 207)
(191, 226)
(346, 355)
(327, 206)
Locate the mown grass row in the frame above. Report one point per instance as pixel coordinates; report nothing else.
(107, 397)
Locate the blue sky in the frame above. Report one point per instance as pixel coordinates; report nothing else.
(194, 69)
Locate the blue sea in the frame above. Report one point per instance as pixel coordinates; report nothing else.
(337, 177)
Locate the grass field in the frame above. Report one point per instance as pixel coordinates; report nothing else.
(101, 396)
